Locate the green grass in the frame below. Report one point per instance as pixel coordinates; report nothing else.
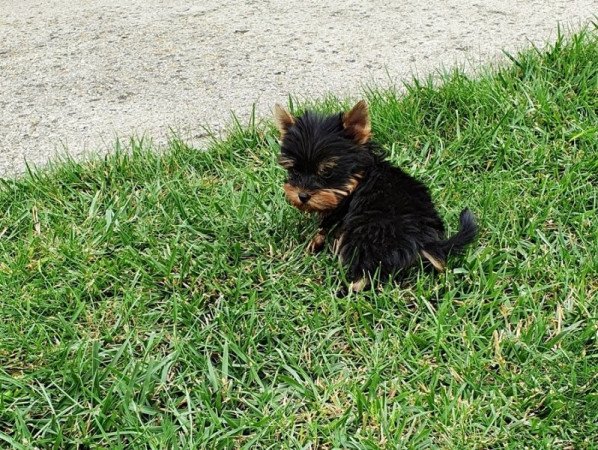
(166, 300)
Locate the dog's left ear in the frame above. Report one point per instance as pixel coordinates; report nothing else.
(284, 119)
(357, 122)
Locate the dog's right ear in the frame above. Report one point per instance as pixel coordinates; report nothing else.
(284, 119)
(357, 123)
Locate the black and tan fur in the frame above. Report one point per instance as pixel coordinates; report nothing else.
(382, 219)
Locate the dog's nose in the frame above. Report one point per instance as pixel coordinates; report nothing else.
(304, 197)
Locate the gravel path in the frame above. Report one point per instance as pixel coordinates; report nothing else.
(75, 74)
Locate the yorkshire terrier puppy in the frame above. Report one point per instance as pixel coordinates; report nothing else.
(382, 219)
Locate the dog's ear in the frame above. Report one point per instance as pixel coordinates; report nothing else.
(284, 119)
(357, 123)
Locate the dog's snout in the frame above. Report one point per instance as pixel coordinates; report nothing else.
(304, 197)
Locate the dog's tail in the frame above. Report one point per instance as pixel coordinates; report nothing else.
(437, 252)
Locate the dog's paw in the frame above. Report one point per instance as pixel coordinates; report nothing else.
(353, 287)
(317, 243)
(359, 285)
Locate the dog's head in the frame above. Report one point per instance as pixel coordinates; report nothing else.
(325, 156)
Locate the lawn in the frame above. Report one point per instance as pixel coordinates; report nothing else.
(166, 300)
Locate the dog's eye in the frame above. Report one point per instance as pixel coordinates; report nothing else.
(326, 168)
(285, 162)
(326, 174)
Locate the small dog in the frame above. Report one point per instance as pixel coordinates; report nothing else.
(382, 219)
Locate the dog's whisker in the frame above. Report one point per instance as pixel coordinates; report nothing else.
(339, 192)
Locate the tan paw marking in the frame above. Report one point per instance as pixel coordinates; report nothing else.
(317, 242)
(359, 285)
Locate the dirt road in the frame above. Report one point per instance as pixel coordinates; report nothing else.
(73, 75)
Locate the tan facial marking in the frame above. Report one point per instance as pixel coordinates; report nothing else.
(323, 200)
(292, 195)
(320, 201)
